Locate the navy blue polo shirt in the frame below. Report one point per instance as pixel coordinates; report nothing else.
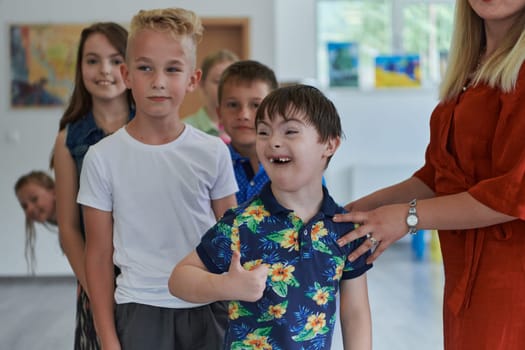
(298, 307)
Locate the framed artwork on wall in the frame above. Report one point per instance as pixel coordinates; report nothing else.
(42, 63)
(344, 63)
(398, 71)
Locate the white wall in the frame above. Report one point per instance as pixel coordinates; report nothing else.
(386, 136)
(386, 130)
(295, 40)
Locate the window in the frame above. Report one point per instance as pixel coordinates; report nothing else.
(386, 27)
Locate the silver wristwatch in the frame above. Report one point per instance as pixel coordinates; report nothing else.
(412, 218)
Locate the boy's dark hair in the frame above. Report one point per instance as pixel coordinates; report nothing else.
(312, 104)
(247, 71)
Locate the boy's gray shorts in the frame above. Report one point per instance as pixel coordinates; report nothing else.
(145, 327)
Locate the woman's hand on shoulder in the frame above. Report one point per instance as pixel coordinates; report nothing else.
(382, 226)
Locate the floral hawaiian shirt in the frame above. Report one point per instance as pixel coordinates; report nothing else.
(298, 307)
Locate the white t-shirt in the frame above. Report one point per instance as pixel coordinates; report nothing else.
(160, 197)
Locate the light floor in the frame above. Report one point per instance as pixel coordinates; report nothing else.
(405, 296)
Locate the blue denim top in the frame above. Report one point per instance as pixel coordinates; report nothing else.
(80, 135)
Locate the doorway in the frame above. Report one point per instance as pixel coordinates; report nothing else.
(219, 33)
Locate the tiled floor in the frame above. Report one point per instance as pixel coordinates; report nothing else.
(405, 297)
(37, 313)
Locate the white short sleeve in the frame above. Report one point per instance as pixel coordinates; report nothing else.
(225, 183)
(94, 190)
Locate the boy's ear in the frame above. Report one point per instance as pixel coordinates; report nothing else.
(124, 71)
(331, 146)
(194, 80)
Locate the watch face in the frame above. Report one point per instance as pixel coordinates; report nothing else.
(412, 220)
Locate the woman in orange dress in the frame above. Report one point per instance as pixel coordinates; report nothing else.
(472, 186)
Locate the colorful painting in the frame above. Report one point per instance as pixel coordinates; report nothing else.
(43, 58)
(343, 64)
(398, 71)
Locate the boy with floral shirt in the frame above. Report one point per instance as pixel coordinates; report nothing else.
(284, 266)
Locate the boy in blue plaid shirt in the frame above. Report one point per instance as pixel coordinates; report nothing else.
(242, 87)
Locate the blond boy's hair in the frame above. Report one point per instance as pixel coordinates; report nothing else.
(177, 21)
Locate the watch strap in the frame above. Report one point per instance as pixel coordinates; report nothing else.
(412, 214)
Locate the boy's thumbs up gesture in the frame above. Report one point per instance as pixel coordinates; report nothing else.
(246, 285)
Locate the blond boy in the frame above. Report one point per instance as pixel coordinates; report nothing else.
(149, 191)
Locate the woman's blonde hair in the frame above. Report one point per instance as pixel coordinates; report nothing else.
(500, 70)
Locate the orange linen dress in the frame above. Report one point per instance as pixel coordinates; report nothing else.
(477, 144)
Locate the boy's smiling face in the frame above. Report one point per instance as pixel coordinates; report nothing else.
(290, 151)
(159, 71)
(237, 109)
